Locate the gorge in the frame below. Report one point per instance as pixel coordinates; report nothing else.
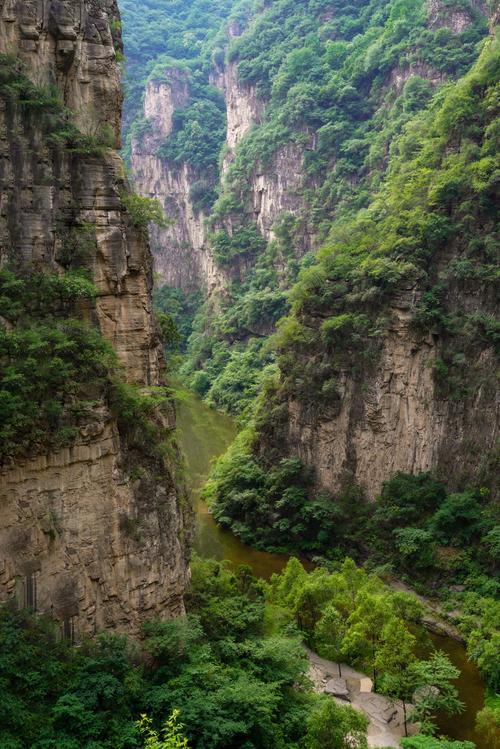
(284, 256)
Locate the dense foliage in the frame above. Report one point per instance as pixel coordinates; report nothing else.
(441, 186)
(348, 615)
(178, 309)
(173, 41)
(415, 525)
(53, 366)
(340, 87)
(416, 529)
(233, 680)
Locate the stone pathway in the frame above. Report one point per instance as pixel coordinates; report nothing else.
(386, 725)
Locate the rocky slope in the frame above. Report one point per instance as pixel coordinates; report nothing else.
(94, 532)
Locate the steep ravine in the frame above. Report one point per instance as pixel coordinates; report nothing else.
(204, 434)
(391, 417)
(92, 533)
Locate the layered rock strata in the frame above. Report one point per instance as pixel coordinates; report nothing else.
(95, 533)
(182, 258)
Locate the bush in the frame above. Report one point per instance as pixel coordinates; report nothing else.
(143, 211)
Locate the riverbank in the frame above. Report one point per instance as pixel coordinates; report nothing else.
(386, 717)
(435, 619)
(204, 434)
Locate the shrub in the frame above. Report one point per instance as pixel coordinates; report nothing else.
(143, 211)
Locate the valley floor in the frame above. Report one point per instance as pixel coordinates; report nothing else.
(386, 725)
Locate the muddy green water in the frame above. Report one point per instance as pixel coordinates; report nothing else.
(204, 435)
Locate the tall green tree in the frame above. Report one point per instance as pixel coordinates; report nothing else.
(394, 659)
(332, 726)
(365, 627)
(434, 691)
(329, 635)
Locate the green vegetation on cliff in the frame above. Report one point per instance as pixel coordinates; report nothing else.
(236, 679)
(352, 74)
(441, 186)
(340, 88)
(230, 674)
(161, 38)
(53, 365)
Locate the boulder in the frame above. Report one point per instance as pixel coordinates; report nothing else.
(337, 687)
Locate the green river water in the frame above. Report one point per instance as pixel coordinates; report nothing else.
(204, 434)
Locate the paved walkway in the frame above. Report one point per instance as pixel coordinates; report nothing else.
(386, 725)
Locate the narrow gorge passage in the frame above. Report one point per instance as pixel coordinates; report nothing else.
(262, 233)
(204, 434)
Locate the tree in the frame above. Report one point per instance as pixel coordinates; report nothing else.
(366, 624)
(483, 641)
(394, 659)
(143, 211)
(169, 737)
(416, 546)
(169, 331)
(332, 726)
(488, 723)
(430, 742)
(329, 635)
(434, 691)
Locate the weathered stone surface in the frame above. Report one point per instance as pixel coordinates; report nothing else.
(182, 258)
(337, 687)
(392, 419)
(244, 107)
(103, 542)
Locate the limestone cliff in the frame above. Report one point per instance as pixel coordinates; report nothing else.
(392, 417)
(275, 187)
(93, 533)
(181, 256)
(313, 149)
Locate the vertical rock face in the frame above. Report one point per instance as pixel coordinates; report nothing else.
(181, 256)
(277, 187)
(93, 534)
(392, 419)
(244, 107)
(278, 190)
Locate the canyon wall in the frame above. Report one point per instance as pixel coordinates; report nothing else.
(182, 257)
(392, 417)
(182, 253)
(93, 533)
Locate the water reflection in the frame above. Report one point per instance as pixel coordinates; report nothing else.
(470, 689)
